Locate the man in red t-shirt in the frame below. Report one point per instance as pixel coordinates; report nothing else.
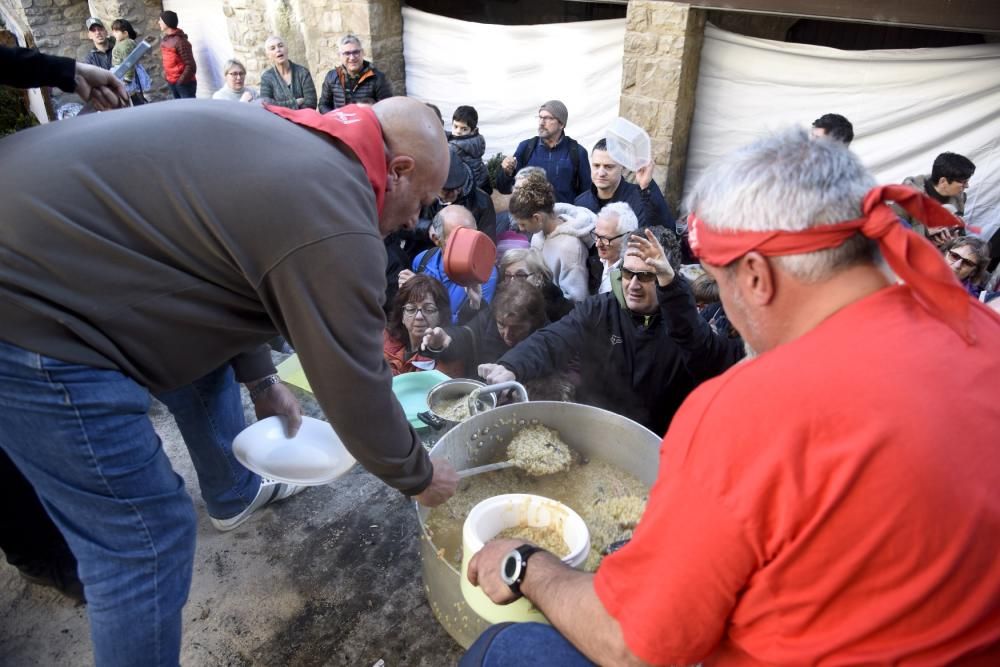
(832, 501)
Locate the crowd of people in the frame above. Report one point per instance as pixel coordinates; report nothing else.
(747, 333)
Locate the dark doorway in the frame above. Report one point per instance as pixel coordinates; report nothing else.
(521, 12)
(867, 36)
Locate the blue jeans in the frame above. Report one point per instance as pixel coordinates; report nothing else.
(209, 414)
(524, 645)
(82, 437)
(182, 90)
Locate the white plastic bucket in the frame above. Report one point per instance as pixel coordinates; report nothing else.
(628, 144)
(493, 515)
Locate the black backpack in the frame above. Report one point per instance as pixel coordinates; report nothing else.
(574, 158)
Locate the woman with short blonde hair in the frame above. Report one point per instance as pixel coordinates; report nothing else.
(234, 86)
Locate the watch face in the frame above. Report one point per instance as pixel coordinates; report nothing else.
(511, 567)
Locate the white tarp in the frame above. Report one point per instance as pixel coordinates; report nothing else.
(205, 25)
(507, 72)
(907, 106)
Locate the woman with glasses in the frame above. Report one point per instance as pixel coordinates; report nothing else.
(968, 257)
(527, 265)
(421, 304)
(560, 231)
(234, 87)
(518, 309)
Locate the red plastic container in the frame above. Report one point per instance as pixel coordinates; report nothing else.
(469, 256)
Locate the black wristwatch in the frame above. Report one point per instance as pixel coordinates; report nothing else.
(515, 566)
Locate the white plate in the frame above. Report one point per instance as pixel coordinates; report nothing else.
(314, 456)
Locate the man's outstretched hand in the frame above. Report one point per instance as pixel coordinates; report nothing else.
(98, 86)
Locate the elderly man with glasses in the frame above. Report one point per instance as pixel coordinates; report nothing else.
(354, 80)
(642, 346)
(562, 158)
(614, 222)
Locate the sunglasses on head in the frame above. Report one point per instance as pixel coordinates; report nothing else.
(643, 276)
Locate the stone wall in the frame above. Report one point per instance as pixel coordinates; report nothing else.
(248, 26)
(660, 73)
(311, 30)
(58, 27)
(144, 16)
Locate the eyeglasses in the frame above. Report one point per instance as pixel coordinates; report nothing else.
(546, 119)
(643, 276)
(351, 54)
(605, 239)
(517, 276)
(428, 311)
(953, 257)
(236, 73)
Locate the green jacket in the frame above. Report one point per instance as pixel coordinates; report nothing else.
(283, 95)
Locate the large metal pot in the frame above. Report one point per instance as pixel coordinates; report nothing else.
(595, 433)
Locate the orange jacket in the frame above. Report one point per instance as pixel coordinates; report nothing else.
(178, 58)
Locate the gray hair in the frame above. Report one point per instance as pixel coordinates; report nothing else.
(231, 63)
(529, 172)
(437, 224)
(787, 182)
(273, 38)
(627, 222)
(349, 38)
(534, 260)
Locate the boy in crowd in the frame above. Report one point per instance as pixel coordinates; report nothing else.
(469, 144)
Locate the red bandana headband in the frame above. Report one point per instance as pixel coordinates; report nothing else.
(356, 126)
(912, 257)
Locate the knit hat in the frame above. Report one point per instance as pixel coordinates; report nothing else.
(557, 109)
(169, 18)
(509, 241)
(92, 21)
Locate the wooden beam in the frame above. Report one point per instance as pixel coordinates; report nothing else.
(966, 15)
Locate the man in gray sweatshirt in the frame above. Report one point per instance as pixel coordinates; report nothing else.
(122, 275)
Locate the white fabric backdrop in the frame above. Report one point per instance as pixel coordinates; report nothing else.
(907, 106)
(507, 72)
(205, 25)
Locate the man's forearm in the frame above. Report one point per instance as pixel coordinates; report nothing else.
(567, 598)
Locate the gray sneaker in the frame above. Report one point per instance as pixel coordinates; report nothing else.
(271, 491)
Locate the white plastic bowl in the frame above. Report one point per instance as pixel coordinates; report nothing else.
(313, 457)
(493, 515)
(628, 144)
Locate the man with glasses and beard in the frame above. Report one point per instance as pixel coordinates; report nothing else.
(354, 80)
(562, 158)
(629, 362)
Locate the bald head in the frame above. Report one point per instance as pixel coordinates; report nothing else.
(448, 220)
(418, 160)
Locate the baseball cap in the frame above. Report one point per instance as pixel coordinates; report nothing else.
(92, 21)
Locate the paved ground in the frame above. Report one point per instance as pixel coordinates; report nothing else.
(329, 577)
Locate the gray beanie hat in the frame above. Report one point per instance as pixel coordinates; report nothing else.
(557, 109)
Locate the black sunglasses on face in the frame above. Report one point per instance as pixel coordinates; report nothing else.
(643, 276)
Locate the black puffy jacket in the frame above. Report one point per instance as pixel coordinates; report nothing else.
(339, 90)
